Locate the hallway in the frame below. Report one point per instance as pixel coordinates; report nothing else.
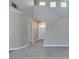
(37, 51)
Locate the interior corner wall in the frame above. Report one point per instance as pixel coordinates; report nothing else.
(57, 25)
(18, 30)
(18, 22)
(58, 35)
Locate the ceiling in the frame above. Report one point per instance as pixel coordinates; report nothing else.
(23, 5)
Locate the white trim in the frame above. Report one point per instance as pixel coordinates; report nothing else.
(19, 47)
(56, 45)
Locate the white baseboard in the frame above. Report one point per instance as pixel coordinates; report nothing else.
(19, 47)
(56, 45)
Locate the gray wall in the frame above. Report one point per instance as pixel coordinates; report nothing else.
(18, 22)
(24, 6)
(56, 24)
(58, 33)
(17, 28)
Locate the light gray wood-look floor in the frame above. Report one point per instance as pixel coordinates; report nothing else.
(37, 51)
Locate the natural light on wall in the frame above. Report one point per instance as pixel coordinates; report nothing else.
(42, 3)
(63, 4)
(42, 25)
(52, 4)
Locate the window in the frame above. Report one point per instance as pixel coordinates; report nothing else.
(63, 4)
(52, 4)
(42, 3)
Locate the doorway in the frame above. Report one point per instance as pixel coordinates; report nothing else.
(41, 28)
(37, 29)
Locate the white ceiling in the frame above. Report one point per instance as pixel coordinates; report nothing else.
(23, 5)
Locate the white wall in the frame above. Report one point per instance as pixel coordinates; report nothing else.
(24, 6)
(56, 24)
(29, 31)
(58, 34)
(18, 28)
(18, 22)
